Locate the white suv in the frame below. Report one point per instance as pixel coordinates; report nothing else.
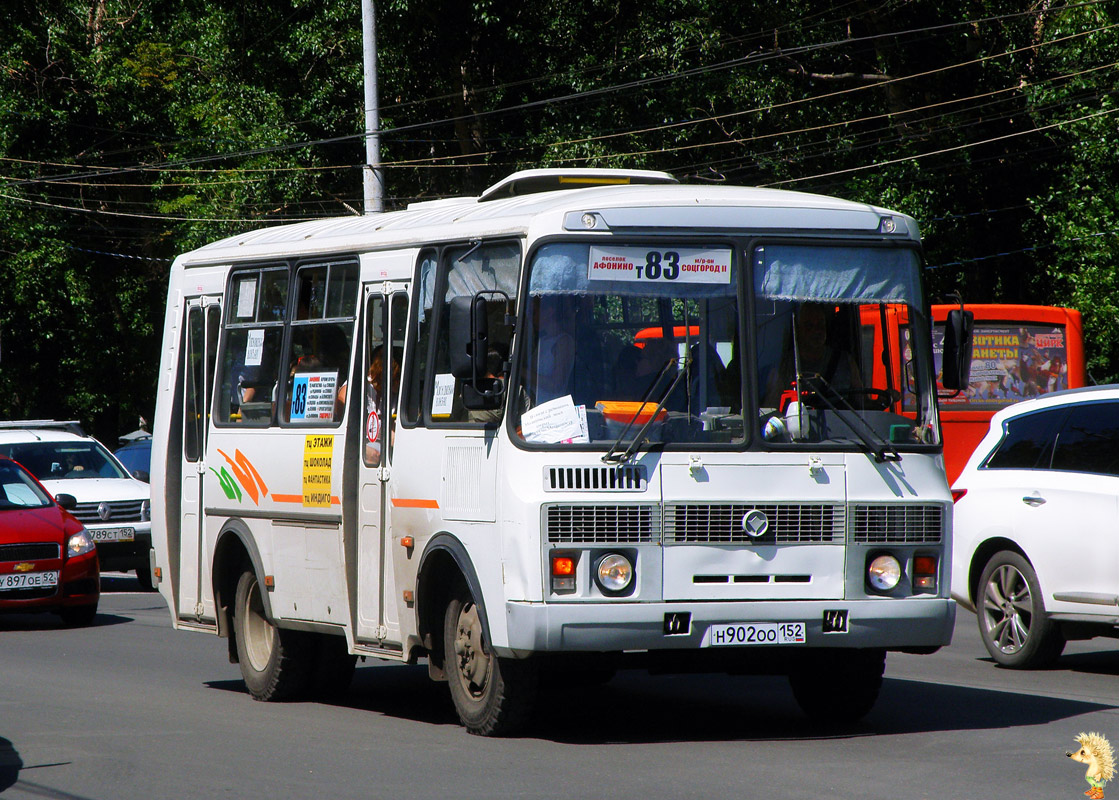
(1035, 550)
(114, 506)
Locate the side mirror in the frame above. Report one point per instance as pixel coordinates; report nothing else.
(469, 337)
(469, 350)
(142, 475)
(67, 501)
(956, 360)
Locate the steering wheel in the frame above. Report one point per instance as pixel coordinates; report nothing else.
(871, 399)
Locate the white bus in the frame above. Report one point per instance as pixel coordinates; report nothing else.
(589, 420)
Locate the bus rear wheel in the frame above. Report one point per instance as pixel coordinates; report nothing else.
(493, 696)
(275, 663)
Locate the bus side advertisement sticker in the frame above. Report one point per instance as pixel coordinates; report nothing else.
(318, 454)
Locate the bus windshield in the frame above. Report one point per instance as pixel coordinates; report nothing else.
(650, 342)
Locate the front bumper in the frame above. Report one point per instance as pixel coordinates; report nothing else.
(125, 556)
(78, 585)
(891, 624)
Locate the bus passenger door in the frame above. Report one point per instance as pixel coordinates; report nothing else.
(386, 313)
(203, 323)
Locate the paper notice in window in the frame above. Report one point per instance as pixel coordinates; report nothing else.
(443, 402)
(556, 421)
(254, 348)
(246, 298)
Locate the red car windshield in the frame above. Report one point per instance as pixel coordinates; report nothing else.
(18, 489)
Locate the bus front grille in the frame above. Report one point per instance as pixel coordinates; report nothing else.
(897, 523)
(787, 523)
(602, 524)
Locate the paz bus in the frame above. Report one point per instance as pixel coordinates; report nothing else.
(436, 434)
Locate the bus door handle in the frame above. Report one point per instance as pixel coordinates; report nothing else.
(1034, 500)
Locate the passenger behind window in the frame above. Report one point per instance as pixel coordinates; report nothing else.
(816, 355)
(555, 353)
(495, 370)
(639, 371)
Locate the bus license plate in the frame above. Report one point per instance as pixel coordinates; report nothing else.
(28, 580)
(747, 633)
(112, 534)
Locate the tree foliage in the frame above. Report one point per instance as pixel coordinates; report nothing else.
(131, 130)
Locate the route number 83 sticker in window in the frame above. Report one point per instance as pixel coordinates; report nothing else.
(646, 264)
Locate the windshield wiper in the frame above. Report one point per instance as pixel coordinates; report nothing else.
(881, 448)
(613, 457)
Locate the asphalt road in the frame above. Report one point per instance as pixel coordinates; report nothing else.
(131, 709)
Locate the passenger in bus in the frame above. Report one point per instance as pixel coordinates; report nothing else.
(374, 394)
(816, 354)
(495, 371)
(639, 370)
(555, 354)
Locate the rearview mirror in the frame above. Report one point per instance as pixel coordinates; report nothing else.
(469, 337)
(956, 360)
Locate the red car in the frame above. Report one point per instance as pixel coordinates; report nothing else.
(47, 560)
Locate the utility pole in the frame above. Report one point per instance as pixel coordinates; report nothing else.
(373, 179)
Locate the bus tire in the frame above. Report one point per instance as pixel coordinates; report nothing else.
(840, 687)
(275, 663)
(493, 696)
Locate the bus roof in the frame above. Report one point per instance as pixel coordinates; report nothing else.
(641, 200)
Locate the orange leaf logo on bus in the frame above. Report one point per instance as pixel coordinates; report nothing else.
(246, 476)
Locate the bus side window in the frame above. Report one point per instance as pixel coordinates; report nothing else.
(489, 267)
(417, 370)
(253, 335)
(316, 382)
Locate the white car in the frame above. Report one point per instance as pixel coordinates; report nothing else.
(1036, 526)
(113, 505)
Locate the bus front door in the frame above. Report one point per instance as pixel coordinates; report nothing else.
(386, 314)
(203, 323)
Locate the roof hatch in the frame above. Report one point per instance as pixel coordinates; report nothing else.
(531, 181)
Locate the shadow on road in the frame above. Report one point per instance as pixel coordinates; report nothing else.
(10, 764)
(49, 622)
(637, 708)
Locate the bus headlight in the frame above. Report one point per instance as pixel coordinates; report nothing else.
(883, 573)
(614, 573)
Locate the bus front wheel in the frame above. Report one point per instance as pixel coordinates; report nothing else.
(839, 687)
(493, 696)
(275, 663)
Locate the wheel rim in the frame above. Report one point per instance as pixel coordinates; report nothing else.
(257, 631)
(471, 655)
(1008, 609)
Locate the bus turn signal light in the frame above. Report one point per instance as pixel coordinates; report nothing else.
(563, 574)
(563, 565)
(924, 573)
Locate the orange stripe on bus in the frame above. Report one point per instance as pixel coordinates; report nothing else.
(407, 502)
